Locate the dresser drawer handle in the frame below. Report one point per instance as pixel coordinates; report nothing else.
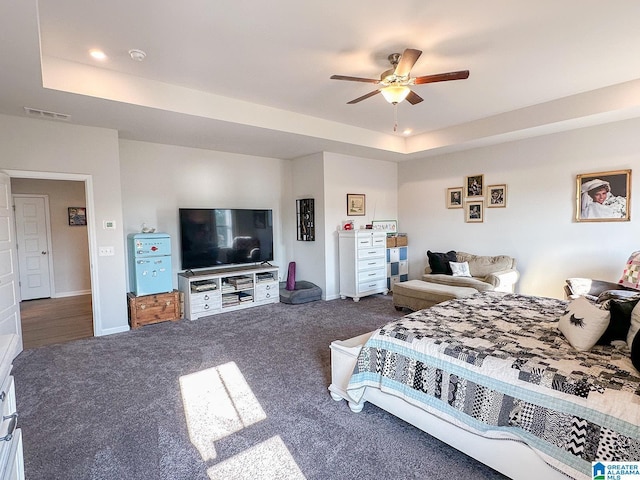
(206, 297)
(12, 426)
(3, 395)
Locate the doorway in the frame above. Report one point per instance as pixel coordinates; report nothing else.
(33, 241)
(67, 314)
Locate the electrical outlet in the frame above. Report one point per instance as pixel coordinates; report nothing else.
(106, 251)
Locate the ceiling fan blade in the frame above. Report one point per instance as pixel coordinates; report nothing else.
(354, 79)
(364, 97)
(407, 61)
(413, 98)
(442, 77)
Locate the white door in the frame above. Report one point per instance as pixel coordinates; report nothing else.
(33, 247)
(9, 309)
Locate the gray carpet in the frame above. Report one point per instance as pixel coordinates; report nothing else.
(112, 407)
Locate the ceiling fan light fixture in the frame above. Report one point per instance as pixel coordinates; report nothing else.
(395, 94)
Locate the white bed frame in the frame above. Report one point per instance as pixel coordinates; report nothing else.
(511, 458)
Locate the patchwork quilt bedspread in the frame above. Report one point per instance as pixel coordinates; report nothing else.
(497, 363)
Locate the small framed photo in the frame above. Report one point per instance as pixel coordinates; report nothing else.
(603, 196)
(386, 225)
(474, 212)
(355, 204)
(454, 197)
(77, 216)
(474, 187)
(496, 196)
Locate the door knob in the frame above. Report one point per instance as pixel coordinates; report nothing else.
(44, 253)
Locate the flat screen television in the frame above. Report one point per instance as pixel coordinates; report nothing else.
(214, 237)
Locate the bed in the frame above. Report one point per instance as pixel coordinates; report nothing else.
(492, 376)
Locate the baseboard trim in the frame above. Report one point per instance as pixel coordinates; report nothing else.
(72, 294)
(111, 331)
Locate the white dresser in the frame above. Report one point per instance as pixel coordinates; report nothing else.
(11, 459)
(363, 266)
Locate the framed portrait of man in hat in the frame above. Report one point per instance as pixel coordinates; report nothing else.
(603, 196)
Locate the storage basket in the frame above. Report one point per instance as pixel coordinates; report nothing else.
(401, 240)
(391, 241)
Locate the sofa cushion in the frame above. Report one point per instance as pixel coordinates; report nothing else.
(471, 282)
(439, 262)
(482, 265)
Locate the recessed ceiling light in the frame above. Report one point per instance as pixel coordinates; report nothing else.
(98, 54)
(407, 131)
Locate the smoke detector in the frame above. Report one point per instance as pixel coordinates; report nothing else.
(137, 55)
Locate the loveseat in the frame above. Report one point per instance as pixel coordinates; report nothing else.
(484, 273)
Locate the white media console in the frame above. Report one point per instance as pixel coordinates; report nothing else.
(216, 291)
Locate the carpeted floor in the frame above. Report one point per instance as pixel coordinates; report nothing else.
(238, 395)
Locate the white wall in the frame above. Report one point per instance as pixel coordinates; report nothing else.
(47, 146)
(537, 226)
(70, 244)
(157, 180)
(346, 174)
(308, 182)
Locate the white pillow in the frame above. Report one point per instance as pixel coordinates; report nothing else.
(635, 324)
(583, 323)
(460, 269)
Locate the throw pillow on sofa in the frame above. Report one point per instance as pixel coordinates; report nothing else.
(460, 269)
(439, 262)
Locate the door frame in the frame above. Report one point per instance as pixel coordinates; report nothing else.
(91, 231)
(47, 219)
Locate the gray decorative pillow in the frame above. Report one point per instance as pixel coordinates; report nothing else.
(583, 323)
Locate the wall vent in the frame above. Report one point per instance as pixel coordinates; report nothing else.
(36, 112)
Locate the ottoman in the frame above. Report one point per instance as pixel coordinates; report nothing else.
(417, 294)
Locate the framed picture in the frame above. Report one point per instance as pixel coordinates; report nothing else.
(603, 196)
(474, 212)
(386, 225)
(77, 216)
(355, 204)
(474, 187)
(454, 197)
(496, 196)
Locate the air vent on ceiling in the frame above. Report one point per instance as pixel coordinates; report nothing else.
(36, 112)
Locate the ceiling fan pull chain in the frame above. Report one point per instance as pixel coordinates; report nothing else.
(395, 117)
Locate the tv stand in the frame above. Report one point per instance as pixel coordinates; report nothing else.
(209, 292)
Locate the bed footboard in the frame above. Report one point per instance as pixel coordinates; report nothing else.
(344, 355)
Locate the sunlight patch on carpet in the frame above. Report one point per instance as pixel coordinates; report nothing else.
(217, 402)
(266, 461)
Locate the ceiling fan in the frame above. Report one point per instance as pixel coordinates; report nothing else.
(394, 83)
